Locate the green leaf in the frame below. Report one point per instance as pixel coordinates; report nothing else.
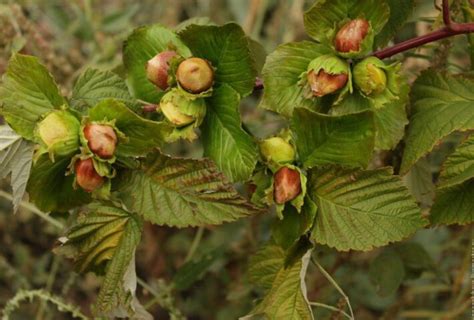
(194, 270)
(94, 85)
(27, 92)
(387, 272)
(441, 104)
(390, 118)
(202, 21)
(419, 181)
(294, 224)
(414, 257)
(454, 205)
(321, 20)
(322, 139)
(142, 134)
(459, 166)
(258, 53)
(49, 187)
(390, 121)
(16, 157)
(104, 239)
(182, 193)
(468, 12)
(224, 141)
(400, 11)
(351, 202)
(285, 296)
(227, 48)
(142, 45)
(281, 76)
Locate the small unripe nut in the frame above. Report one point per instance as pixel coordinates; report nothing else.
(369, 76)
(59, 131)
(286, 185)
(195, 75)
(157, 69)
(350, 36)
(323, 83)
(181, 110)
(101, 139)
(278, 150)
(174, 115)
(86, 175)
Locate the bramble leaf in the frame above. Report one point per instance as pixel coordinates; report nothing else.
(182, 193)
(351, 202)
(224, 141)
(441, 104)
(27, 92)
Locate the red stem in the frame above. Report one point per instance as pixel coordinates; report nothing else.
(446, 13)
(448, 31)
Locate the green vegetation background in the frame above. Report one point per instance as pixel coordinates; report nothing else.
(70, 36)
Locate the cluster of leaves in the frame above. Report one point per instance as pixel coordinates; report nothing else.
(150, 185)
(330, 143)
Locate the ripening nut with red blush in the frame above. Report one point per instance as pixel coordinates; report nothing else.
(286, 185)
(195, 75)
(350, 36)
(157, 69)
(327, 74)
(86, 175)
(323, 83)
(101, 139)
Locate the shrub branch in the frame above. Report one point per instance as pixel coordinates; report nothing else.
(450, 29)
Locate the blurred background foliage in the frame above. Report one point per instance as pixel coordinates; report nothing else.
(200, 273)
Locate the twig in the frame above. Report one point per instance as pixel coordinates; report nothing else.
(450, 29)
(258, 84)
(446, 13)
(450, 314)
(34, 210)
(326, 306)
(195, 244)
(49, 286)
(149, 108)
(334, 283)
(446, 32)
